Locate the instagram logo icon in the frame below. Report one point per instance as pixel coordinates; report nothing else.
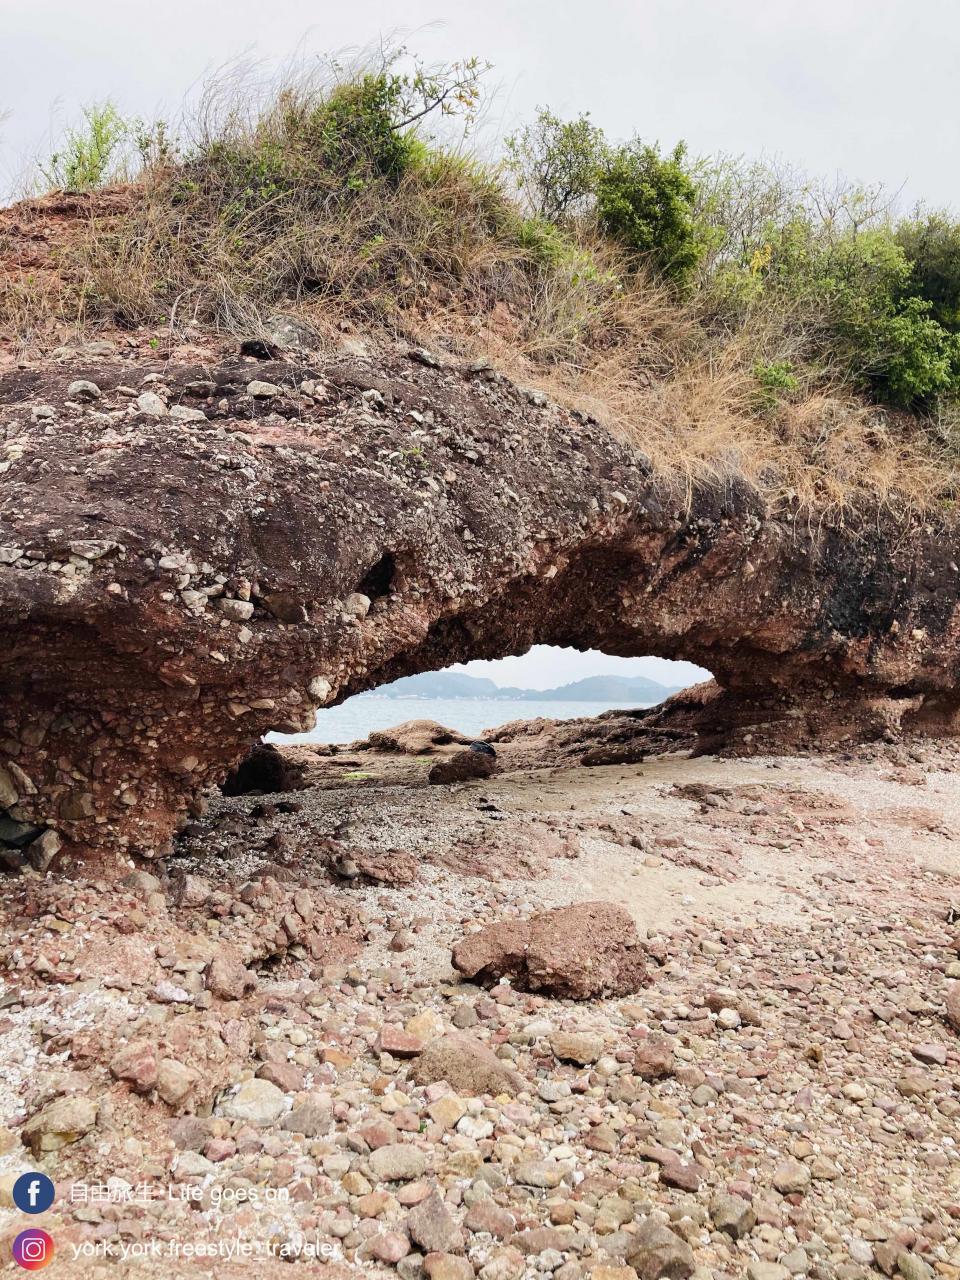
(33, 1249)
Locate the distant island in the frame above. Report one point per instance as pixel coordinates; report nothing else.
(626, 690)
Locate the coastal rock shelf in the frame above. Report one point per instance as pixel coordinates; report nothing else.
(192, 554)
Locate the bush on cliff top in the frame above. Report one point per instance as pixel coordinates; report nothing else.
(728, 314)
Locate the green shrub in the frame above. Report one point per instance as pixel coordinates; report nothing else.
(776, 381)
(843, 304)
(647, 202)
(557, 163)
(87, 156)
(566, 169)
(543, 242)
(884, 335)
(932, 247)
(355, 132)
(915, 360)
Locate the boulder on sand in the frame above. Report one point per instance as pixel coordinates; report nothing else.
(415, 738)
(577, 952)
(463, 767)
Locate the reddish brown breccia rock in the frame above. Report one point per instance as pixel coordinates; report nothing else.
(577, 952)
(475, 518)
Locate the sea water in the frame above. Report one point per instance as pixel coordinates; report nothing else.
(357, 717)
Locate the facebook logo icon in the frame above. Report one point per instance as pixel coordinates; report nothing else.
(33, 1193)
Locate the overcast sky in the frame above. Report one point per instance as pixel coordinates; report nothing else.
(863, 87)
(866, 88)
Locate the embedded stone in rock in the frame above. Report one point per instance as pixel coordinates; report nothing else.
(136, 1063)
(83, 389)
(41, 852)
(578, 952)
(8, 792)
(357, 604)
(236, 610)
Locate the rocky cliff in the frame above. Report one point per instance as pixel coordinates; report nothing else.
(192, 554)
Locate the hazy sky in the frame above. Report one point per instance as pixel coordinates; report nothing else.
(866, 88)
(546, 668)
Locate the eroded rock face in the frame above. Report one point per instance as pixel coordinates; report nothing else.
(177, 580)
(575, 953)
(265, 770)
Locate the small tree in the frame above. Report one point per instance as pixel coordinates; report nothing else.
(647, 201)
(556, 164)
(741, 205)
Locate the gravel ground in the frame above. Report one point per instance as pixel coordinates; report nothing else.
(238, 1032)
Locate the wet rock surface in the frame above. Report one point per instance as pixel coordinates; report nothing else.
(196, 550)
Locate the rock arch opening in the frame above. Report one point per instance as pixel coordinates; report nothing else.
(172, 590)
(548, 682)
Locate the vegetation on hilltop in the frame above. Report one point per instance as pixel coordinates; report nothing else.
(731, 316)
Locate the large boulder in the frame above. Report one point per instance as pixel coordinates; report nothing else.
(415, 738)
(577, 952)
(465, 766)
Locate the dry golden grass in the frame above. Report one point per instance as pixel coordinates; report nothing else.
(691, 404)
